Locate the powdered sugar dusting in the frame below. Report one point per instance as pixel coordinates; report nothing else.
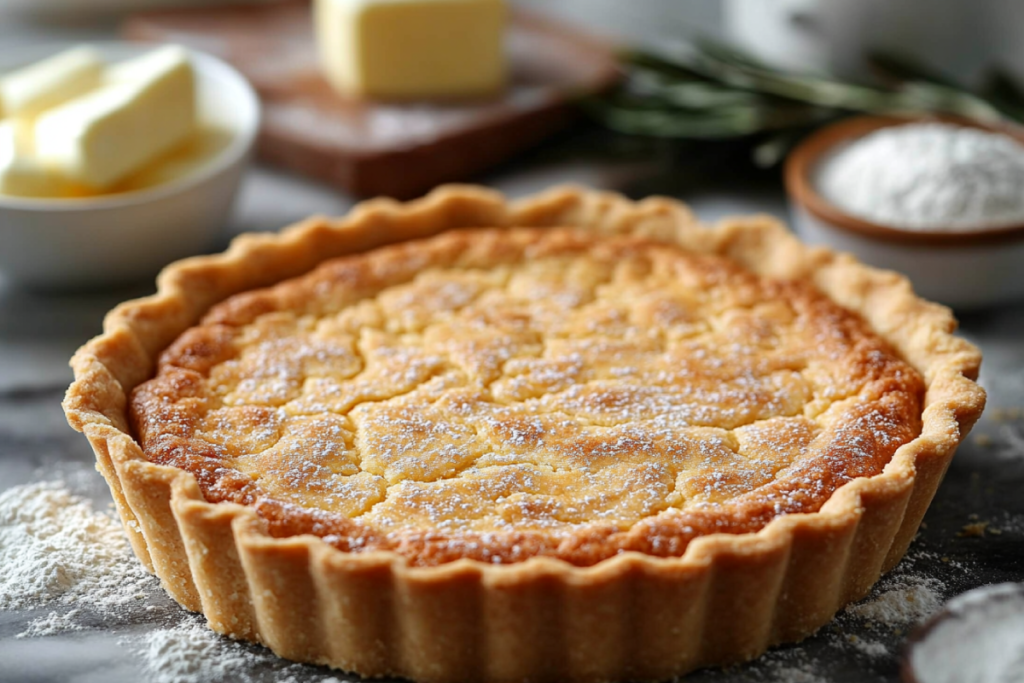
(910, 601)
(569, 383)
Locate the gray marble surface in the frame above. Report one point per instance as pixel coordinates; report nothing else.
(38, 333)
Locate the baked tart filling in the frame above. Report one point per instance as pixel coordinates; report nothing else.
(502, 394)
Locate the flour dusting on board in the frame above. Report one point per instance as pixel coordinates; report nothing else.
(909, 601)
(56, 549)
(190, 652)
(61, 555)
(73, 562)
(794, 674)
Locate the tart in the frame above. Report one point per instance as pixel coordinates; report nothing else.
(569, 437)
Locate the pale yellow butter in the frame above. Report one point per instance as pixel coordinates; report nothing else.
(51, 82)
(406, 49)
(21, 175)
(145, 109)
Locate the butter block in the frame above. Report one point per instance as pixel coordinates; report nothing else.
(200, 150)
(412, 49)
(51, 82)
(145, 109)
(20, 174)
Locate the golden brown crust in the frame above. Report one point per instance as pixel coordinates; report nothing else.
(502, 394)
(726, 598)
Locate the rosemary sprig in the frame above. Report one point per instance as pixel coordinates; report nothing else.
(707, 90)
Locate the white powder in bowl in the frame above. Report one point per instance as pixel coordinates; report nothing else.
(929, 177)
(190, 652)
(980, 640)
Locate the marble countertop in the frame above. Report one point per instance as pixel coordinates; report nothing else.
(39, 332)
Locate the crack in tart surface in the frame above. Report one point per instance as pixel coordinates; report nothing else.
(565, 438)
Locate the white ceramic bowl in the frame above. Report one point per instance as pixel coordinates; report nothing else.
(91, 242)
(959, 269)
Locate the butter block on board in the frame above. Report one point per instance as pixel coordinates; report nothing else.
(145, 109)
(412, 49)
(51, 82)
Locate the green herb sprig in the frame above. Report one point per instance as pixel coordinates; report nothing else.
(707, 91)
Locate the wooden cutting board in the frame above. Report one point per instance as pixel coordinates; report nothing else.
(377, 148)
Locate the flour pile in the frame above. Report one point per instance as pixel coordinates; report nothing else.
(908, 600)
(56, 549)
(191, 653)
(58, 552)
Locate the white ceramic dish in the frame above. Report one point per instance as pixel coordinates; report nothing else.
(959, 269)
(977, 638)
(62, 243)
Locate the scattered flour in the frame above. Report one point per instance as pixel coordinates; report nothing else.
(55, 548)
(1010, 524)
(59, 552)
(794, 674)
(191, 653)
(871, 648)
(1012, 442)
(910, 600)
(53, 624)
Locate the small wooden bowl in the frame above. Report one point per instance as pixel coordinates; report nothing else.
(958, 268)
